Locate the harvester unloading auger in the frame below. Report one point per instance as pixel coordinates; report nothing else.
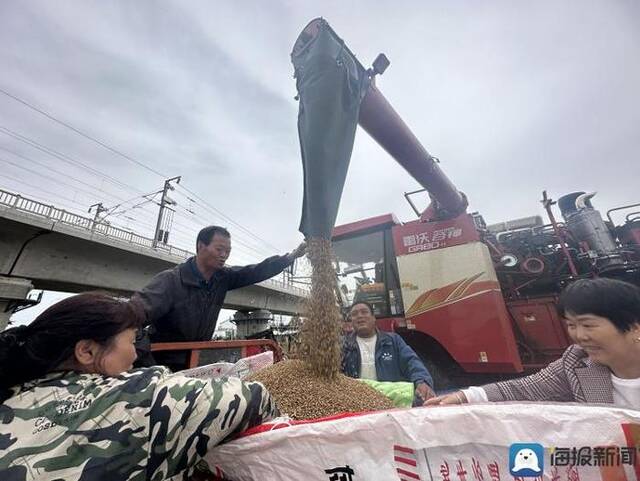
(467, 297)
(336, 94)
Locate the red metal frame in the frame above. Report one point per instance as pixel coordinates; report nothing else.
(543, 331)
(389, 324)
(194, 348)
(547, 203)
(359, 227)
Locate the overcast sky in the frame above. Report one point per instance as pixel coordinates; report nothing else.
(513, 97)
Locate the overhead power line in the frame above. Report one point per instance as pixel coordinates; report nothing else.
(87, 194)
(72, 161)
(115, 213)
(66, 158)
(219, 213)
(110, 211)
(40, 189)
(135, 161)
(236, 239)
(59, 199)
(193, 231)
(64, 174)
(79, 132)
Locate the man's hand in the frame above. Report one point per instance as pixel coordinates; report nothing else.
(453, 398)
(424, 392)
(299, 251)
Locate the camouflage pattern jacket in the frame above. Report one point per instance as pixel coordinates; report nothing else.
(147, 424)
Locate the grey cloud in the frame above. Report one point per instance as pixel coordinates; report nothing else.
(513, 97)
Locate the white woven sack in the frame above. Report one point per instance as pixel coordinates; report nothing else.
(468, 442)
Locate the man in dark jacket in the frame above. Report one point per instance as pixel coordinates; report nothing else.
(183, 303)
(382, 356)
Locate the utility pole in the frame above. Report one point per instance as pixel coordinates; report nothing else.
(164, 202)
(99, 210)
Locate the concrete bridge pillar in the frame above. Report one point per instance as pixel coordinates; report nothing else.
(248, 323)
(11, 289)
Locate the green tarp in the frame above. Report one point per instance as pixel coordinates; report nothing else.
(331, 83)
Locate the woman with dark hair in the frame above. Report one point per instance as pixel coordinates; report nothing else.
(603, 366)
(73, 409)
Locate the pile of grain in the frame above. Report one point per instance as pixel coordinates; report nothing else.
(301, 394)
(312, 386)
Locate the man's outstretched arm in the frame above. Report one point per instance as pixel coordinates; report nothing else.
(251, 274)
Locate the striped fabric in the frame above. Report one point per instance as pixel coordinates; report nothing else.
(572, 378)
(406, 463)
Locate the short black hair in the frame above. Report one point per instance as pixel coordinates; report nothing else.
(369, 306)
(615, 300)
(205, 235)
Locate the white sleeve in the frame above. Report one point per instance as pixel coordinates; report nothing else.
(475, 394)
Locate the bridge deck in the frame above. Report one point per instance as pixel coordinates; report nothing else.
(58, 250)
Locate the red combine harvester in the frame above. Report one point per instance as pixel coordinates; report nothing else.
(476, 302)
(472, 299)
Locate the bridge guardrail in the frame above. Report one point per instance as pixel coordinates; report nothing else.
(24, 204)
(31, 206)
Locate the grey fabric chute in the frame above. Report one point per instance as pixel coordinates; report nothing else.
(331, 83)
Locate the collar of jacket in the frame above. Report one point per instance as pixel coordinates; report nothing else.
(594, 379)
(351, 340)
(190, 275)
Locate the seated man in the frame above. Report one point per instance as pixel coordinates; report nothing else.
(368, 353)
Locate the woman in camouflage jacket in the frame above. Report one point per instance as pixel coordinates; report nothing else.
(72, 408)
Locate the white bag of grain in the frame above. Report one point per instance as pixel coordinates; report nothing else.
(251, 364)
(469, 442)
(241, 369)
